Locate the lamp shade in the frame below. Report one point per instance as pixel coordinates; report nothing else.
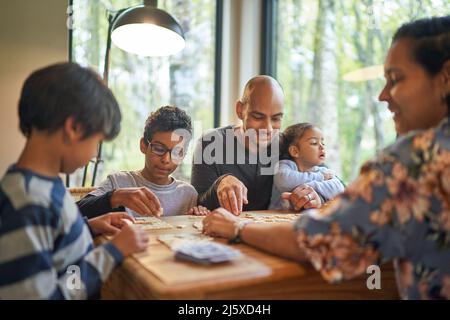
(147, 31)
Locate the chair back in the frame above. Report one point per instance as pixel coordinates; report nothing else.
(79, 193)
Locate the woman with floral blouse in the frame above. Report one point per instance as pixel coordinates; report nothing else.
(398, 209)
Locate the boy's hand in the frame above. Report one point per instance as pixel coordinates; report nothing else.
(198, 211)
(110, 223)
(130, 239)
(140, 200)
(232, 194)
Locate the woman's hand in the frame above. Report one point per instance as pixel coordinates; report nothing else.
(110, 223)
(220, 223)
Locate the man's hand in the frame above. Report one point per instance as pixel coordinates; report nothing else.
(303, 197)
(232, 194)
(327, 175)
(110, 223)
(140, 200)
(220, 223)
(198, 211)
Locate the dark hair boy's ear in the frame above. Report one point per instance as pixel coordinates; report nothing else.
(446, 74)
(143, 145)
(72, 131)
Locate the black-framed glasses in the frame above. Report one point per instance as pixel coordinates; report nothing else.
(160, 150)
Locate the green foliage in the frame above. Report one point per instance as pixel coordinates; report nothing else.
(355, 23)
(143, 84)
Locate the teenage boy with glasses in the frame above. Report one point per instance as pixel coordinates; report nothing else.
(151, 190)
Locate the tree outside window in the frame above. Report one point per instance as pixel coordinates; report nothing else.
(319, 42)
(143, 84)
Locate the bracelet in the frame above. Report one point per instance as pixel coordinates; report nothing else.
(237, 230)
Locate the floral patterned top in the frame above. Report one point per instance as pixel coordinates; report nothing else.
(398, 209)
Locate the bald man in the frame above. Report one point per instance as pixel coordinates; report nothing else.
(239, 185)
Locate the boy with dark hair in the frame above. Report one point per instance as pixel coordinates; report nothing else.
(151, 190)
(46, 248)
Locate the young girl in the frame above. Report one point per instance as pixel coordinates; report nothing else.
(303, 151)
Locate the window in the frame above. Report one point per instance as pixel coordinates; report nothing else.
(317, 43)
(143, 84)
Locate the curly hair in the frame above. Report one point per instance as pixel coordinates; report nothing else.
(166, 118)
(290, 135)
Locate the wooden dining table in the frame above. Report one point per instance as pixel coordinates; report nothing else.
(157, 274)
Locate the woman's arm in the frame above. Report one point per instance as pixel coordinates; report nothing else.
(278, 239)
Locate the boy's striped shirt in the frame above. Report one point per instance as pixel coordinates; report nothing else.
(44, 240)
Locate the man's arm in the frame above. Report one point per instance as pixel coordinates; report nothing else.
(205, 179)
(328, 188)
(202, 176)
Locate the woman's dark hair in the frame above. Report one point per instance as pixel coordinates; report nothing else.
(431, 43)
(53, 94)
(166, 118)
(290, 135)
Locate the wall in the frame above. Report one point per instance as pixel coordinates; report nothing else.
(32, 34)
(240, 52)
